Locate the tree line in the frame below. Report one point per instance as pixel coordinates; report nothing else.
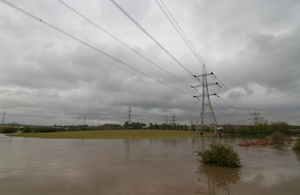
(268, 129)
(282, 127)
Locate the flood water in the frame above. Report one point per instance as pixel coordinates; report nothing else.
(31, 166)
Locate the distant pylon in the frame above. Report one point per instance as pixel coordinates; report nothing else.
(129, 115)
(255, 118)
(84, 120)
(173, 119)
(205, 100)
(3, 119)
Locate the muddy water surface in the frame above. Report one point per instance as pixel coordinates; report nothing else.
(31, 166)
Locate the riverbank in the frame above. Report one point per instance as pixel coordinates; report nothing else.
(114, 134)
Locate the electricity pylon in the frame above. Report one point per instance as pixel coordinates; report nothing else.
(205, 100)
(84, 120)
(3, 119)
(173, 119)
(255, 118)
(129, 115)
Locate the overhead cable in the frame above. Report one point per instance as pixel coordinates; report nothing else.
(90, 46)
(226, 113)
(173, 22)
(137, 24)
(147, 59)
(230, 105)
(176, 26)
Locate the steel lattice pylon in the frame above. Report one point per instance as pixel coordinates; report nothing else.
(129, 115)
(255, 118)
(205, 102)
(3, 119)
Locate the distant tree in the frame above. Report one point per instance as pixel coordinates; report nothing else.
(185, 127)
(137, 125)
(251, 129)
(27, 130)
(174, 126)
(181, 127)
(193, 127)
(126, 125)
(267, 128)
(243, 129)
(169, 127)
(207, 129)
(228, 128)
(151, 126)
(282, 127)
(260, 129)
(156, 126)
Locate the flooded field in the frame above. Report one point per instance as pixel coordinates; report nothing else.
(31, 166)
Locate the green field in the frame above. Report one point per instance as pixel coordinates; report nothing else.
(114, 134)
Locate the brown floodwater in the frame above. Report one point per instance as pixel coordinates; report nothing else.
(31, 166)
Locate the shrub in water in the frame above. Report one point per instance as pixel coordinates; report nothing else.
(277, 137)
(221, 155)
(297, 145)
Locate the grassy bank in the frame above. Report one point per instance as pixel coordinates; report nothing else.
(114, 134)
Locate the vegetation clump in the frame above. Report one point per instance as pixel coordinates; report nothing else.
(221, 155)
(5, 130)
(296, 146)
(254, 143)
(27, 130)
(277, 137)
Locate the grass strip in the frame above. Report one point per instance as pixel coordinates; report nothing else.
(114, 134)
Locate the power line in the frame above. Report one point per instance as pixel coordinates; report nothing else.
(223, 112)
(176, 26)
(90, 46)
(173, 22)
(137, 24)
(235, 98)
(231, 106)
(114, 37)
(227, 109)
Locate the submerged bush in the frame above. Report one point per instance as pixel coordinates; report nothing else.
(297, 145)
(221, 155)
(277, 137)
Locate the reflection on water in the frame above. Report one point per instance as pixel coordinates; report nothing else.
(31, 166)
(213, 179)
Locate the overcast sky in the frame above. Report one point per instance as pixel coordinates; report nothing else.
(47, 78)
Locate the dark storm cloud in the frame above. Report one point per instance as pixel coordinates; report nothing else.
(252, 47)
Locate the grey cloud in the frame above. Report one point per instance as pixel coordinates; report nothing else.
(251, 46)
